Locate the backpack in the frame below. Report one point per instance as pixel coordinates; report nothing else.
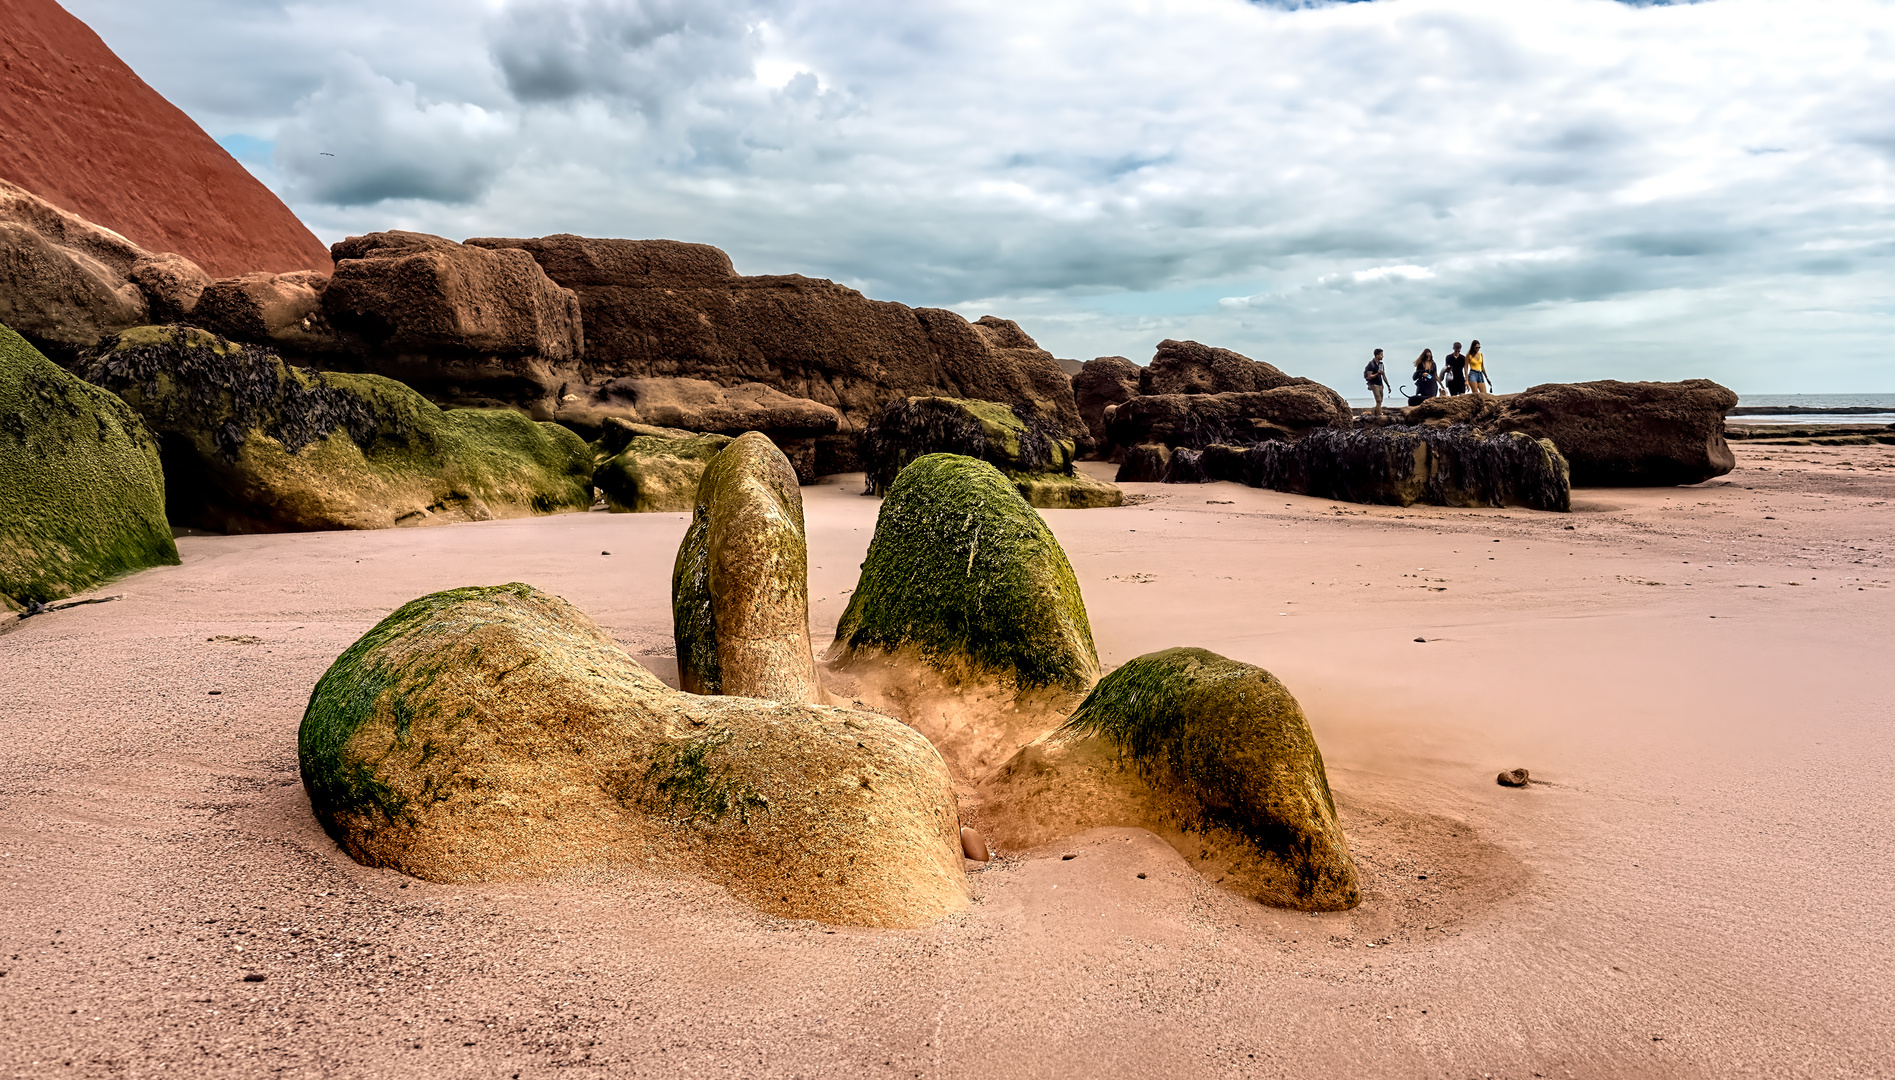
(1373, 372)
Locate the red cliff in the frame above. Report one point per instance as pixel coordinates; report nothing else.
(80, 129)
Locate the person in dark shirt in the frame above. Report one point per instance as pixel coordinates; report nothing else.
(1427, 376)
(1457, 371)
(1377, 375)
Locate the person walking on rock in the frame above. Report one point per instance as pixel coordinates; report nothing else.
(1427, 376)
(1377, 375)
(1477, 379)
(1457, 371)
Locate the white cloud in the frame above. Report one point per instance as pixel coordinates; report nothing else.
(1587, 186)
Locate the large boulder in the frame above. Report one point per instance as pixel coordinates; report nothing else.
(64, 282)
(662, 309)
(1211, 754)
(1099, 384)
(251, 444)
(793, 424)
(1612, 433)
(463, 325)
(1034, 454)
(496, 734)
(1187, 367)
(283, 311)
(84, 492)
(80, 129)
(1198, 420)
(1453, 466)
(967, 619)
(641, 469)
(740, 588)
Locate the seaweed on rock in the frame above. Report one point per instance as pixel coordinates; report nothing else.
(1398, 466)
(1013, 438)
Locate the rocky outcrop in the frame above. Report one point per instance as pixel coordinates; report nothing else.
(463, 325)
(251, 444)
(1454, 466)
(80, 129)
(793, 424)
(1034, 454)
(1211, 754)
(1199, 420)
(966, 598)
(740, 589)
(661, 309)
(1186, 367)
(84, 492)
(642, 469)
(1612, 433)
(64, 282)
(496, 734)
(1101, 383)
(283, 311)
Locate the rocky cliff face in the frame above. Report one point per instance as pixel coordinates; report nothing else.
(661, 309)
(81, 130)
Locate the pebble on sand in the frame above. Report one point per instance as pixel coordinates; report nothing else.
(1512, 778)
(974, 845)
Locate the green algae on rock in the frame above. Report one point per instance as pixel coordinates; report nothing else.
(967, 621)
(84, 493)
(251, 444)
(740, 588)
(1028, 448)
(641, 469)
(495, 734)
(1213, 754)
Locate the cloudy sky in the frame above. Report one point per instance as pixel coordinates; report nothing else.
(1592, 188)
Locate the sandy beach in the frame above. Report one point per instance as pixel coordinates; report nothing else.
(1696, 885)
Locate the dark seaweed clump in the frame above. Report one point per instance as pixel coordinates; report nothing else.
(909, 428)
(1457, 465)
(233, 388)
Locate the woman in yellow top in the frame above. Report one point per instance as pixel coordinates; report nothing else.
(1477, 379)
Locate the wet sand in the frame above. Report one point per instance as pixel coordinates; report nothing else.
(1701, 886)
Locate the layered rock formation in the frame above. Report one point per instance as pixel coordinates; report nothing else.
(1454, 466)
(251, 444)
(80, 129)
(740, 588)
(84, 494)
(967, 615)
(1211, 754)
(1099, 384)
(1613, 434)
(662, 309)
(495, 734)
(65, 282)
(650, 470)
(1034, 454)
(1187, 367)
(794, 424)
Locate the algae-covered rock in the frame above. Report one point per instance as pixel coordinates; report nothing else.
(740, 590)
(84, 495)
(641, 469)
(1031, 450)
(495, 734)
(252, 444)
(1212, 754)
(1401, 466)
(967, 617)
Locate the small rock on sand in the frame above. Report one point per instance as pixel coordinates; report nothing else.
(974, 845)
(1512, 778)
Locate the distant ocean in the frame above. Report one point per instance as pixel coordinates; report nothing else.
(1778, 401)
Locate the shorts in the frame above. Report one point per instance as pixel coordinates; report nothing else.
(1477, 376)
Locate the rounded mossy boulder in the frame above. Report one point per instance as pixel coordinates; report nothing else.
(963, 575)
(251, 444)
(495, 733)
(740, 588)
(1213, 754)
(650, 470)
(83, 491)
(1030, 450)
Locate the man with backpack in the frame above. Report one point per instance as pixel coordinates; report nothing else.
(1377, 376)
